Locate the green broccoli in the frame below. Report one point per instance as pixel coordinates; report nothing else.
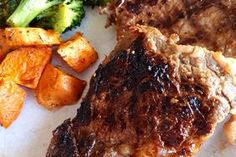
(7, 7)
(27, 10)
(96, 2)
(61, 17)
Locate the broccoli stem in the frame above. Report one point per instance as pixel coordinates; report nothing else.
(28, 10)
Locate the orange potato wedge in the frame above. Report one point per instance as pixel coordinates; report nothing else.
(24, 66)
(4, 47)
(56, 88)
(78, 53)
(12, 98)
(31, 37)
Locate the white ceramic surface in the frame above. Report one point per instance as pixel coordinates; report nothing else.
(30, 134)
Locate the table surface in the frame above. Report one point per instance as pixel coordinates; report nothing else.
(30, 134)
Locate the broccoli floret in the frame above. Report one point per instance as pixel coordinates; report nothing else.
(96, 2)
(28, 10)
(62, 17)
(7, 7)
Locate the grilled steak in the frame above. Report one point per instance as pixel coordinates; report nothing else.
(207, 23)
(150, 97)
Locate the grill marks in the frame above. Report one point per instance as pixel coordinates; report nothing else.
(142, 102)
(134, 100)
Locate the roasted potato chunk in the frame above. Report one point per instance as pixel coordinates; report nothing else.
(56, 88)
(12, 98)
(4, 47)
(78, 53)
(24, 66)
(31, 37)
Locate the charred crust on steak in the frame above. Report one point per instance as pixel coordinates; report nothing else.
(147, 99)
(65, 141)
(84, 113)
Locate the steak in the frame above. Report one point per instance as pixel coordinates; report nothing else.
(150, 97)
(206, 23)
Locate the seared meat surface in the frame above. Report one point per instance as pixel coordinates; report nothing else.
(150, 97)
(206, 23)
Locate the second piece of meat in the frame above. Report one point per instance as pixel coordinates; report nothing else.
(206, 23)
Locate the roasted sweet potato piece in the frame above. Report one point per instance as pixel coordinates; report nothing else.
(56, 88)
(12, 98)
(78, 53)
(31, 37)
(24, 66)
(4, 47)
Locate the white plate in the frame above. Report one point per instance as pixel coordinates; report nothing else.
(30, 134)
